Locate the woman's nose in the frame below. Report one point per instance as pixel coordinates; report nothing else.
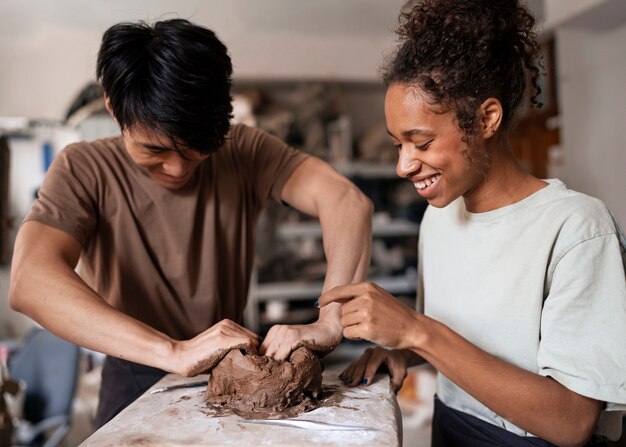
(407, 162)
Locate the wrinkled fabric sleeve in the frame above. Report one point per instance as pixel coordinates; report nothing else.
(67, 197)
(583, 323)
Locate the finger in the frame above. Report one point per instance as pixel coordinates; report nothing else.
(244, 344)
(347, 372)
(377, 359)
(234, 339)
(253, 346)
(397, 371)
(269, 339)
(284, 350)
(250, 333)
(354, 332)
(239, 327)
(352, 319)
(358, 303)
(358, 368)
(343, 293)
(278, 332)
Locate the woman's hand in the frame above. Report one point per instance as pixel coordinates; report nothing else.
(363, 370)
(205, 350)
(369, 312)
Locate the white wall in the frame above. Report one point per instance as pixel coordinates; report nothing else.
(48, 48)
(592, 100)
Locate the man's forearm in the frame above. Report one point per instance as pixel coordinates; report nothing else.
(58, 299)
(347, 233)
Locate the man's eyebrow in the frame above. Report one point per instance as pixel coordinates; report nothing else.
(156, 147)
(416, 131)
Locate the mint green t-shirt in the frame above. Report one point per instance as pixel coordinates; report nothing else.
(539, 284)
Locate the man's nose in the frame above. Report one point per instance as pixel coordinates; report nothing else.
(407, 162)
(175, 165)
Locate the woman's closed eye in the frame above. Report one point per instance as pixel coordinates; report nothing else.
(421, 147)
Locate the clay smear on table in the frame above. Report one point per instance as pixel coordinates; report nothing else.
(259, 387)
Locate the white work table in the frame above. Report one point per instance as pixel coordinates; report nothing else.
(181, 418)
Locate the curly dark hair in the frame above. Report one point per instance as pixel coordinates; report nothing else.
(461, 52)
(173, 76)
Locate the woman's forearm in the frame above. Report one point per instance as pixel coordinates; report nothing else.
(539, 405)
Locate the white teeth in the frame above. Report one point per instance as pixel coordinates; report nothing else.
(427, 182)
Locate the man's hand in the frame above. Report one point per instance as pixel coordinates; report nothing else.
(321, 337)
(369, 312)
(205, 350)
(362, 370)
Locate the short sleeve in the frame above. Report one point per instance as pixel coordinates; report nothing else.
(269, 160)
(67, 197)
(583, 324)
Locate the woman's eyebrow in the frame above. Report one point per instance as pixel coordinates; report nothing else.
(416, 131)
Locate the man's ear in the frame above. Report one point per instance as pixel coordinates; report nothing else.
(107, 104)
(490, 113)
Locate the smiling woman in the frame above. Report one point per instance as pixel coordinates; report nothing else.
(517, 275)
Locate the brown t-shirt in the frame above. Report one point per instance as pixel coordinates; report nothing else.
(180, 261)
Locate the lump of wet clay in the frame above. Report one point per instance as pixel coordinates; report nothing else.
(256, 386)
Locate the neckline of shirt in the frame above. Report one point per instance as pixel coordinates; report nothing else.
(533, 199)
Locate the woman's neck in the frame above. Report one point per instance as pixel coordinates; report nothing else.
(505, 182)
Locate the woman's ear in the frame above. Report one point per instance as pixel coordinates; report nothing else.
(490, 113)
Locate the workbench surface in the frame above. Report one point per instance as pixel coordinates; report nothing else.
(181, 418)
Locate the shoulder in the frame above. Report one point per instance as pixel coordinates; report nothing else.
(92, 151)
(244, 138)
(252, 148)
(579, 214)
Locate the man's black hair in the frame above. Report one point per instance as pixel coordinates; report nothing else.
(173, 77)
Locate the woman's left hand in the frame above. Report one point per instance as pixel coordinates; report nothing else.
(369, 312)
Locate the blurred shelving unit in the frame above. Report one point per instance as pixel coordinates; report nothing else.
(342, 122)
(273, 302)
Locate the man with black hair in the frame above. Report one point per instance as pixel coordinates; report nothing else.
(162, 219)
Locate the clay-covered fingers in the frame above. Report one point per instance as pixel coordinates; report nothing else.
(230, 335)
(236, 327)
(205, 350)
(268, 340)
(279, 342)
